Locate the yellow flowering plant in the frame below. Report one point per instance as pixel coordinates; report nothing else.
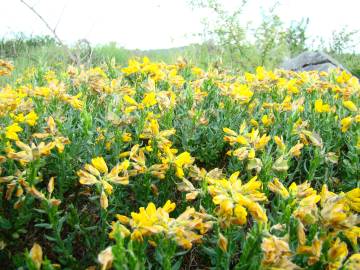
(186, 229)
(164, 132)
(98, 173)
(249, 143)
(235, 200)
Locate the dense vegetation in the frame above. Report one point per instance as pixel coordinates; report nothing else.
(154, 165)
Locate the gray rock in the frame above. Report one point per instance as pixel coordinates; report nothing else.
(319, 67)
(308, 61)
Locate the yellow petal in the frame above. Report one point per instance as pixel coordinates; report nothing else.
(104, 200)
(36, 254)
(222, 242)
(99, 163)
(350, 105)
(50, 186)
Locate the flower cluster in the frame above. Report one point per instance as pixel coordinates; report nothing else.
(236, 199)
(186, 229)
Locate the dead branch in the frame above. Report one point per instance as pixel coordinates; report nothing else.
(52, 30)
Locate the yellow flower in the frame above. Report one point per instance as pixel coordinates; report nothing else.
(149, 99)
(343, 77)
(251, 153)
(277, 187)
(240, 214)
(52, 132)
(254, 122)
(184, 229)
(252, 142)
(5, 68)
(353, 263)
(307, 199)
(235, 199)
(51, 124)
(336, 254)
(152, 131)
(335, 213)
(12, 131)
(249, 77)
(31, 118)
(197, 71)
(262, 142)
(74, 101)
(133, 67)
(310, 200)
(99, 163)
(345, 123)
(277, 254)
(353, 199)
(222, 242)
(31, 152)
(325, 195)
(266, 120)
(104, 202)
(320, 107)
(137, 155)
(302, 190)
(314, 251)
(169, 206)
(116, 228)
(292, 86)
(348, 104)
(260, 73)
(36, 255)
(97, 173)
(280, 143)
(353, 234)
(126, 137)
(301, 233)
(242, 93)
(257, 212)
(175, 79)
(180, 161)
(234, 137)
(357, 118)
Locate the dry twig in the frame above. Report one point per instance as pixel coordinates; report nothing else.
(52, 30)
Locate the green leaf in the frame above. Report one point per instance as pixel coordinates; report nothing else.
(4, 223)
(44, 225)
(177, 265)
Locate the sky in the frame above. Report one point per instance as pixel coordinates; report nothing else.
(154, 24)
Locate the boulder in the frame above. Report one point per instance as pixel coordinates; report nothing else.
(308, 61)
